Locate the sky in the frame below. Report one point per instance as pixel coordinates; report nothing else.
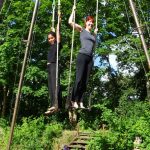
(112, 59)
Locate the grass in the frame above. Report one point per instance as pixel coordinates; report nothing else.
(65, 139)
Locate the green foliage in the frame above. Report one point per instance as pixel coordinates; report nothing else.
(14, 27)
(34, 134)
(111, 141)
(51, 132)
(3, 130)
(118, 101)
(128, 121)
(3, 123)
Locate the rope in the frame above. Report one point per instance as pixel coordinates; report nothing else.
(53, 17)
(71, 55)
(96, 23)
(96, 14)
(72, 45)
(58, 32)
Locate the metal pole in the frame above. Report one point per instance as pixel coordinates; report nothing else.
(140, 32)
(22, 75)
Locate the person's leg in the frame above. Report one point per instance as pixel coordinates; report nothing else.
(53, 84)
(50, 90)
(56, 101)
(80, 66)
(87, 71)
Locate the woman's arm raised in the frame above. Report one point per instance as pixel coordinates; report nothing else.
(71, 21)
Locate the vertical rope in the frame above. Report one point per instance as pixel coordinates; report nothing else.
(58, 32)
(53, 17)
(71, 55)
(96, 24)
(96, 14)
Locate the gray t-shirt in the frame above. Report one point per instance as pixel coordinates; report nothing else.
(87, 43)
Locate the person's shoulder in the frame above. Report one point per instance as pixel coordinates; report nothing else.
(82, 29)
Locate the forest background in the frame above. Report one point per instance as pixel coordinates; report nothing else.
(119, 96)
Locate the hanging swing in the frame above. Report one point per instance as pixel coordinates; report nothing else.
(49, 111)
(73, 112)
(71, 55)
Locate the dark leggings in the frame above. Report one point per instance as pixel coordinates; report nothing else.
(83, 68)
(52, 86)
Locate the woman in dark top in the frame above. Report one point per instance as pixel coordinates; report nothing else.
(54, 40)
(84, 61)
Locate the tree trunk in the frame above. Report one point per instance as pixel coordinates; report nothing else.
(4, 101)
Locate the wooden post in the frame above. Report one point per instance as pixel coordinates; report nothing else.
(22, 75)
(143, 43)
(140, 32)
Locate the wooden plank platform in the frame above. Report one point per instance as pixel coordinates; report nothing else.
(81, 141)
(76, 146)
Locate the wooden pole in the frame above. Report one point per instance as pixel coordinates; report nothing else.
(140, 32)
(22, 75)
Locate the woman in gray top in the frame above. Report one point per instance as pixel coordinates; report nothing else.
(84, 61)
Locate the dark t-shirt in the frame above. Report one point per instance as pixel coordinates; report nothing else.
(52, 53)
(87, 42)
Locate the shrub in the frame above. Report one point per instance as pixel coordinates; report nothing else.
(33, 133)
(128, 121)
